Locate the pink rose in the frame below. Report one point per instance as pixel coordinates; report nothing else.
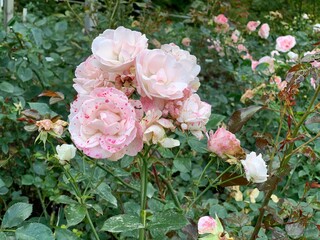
(235, 36)
(116, 49)
(221, 19)
(194, 115)
(207, 224)
(254, 64)
(89, 76)
(285, 43)
(252, 25)
(164, 75)
(264, 31)
(223, 142)
(104, 124)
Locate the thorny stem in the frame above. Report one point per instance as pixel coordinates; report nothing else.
(285, 160)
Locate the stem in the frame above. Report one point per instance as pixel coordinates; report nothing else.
(171, 190)
(143, 198)
(91, 225)
(213, 185)
(42, 204)
(81, 201)
(284, 162)
(204, 170)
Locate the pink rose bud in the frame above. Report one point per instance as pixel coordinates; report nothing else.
(285, 43)
(206, 224)
(223, 142)
(252, 25)
(186, 41)
(264, 31)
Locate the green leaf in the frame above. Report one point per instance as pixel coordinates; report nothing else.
(182, 164)
(16, 214)
(122, 223)
(104, 191)
(167, 220)
(24, 73)
(65, 234)
(61, 26)
(2, 184)
(74, 214)
(37, 35)
(27, 179)
(3, 236)
(6, 87)
(42, 109)
(64, 199)
(240, 117)
(196, 145)
(34, 231)
(150, 190)
(214, 120)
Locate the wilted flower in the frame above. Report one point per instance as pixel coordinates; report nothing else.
(65, 152)
(285, 43)
(223, 142)
(255, 168)
(186, 41)
(55, 128)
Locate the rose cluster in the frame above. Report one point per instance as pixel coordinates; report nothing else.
(129, 96)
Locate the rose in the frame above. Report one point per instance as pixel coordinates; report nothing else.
(154, 129)
(270, 62)
(223, 143)
(235, 36)
(252, 25)
(207, 224)
(116, 49)
(194, 115)
(65, 152)
(264, 31)
(293, 56)
(255, 168)
(220, 19)
(160, 74)
(89, 75)
(103, 124)
(186, 41)
(285, 43)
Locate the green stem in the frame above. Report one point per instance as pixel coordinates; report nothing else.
(143, 198)
(91, 225)
(81, 201)
(171, 190)
(204, 170)
(213, 185)
(42, 204)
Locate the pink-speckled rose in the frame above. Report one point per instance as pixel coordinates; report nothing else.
(194, 115)
(207, 224)
(161, 75)
(252, 25)
(285, 43)
(220, 19)
(117, 49)
(89, 76)
(223, 142)
(264, 31)
(104, 124)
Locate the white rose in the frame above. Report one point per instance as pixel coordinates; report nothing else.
(293, 56)
(255, 168)
(65, 152)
